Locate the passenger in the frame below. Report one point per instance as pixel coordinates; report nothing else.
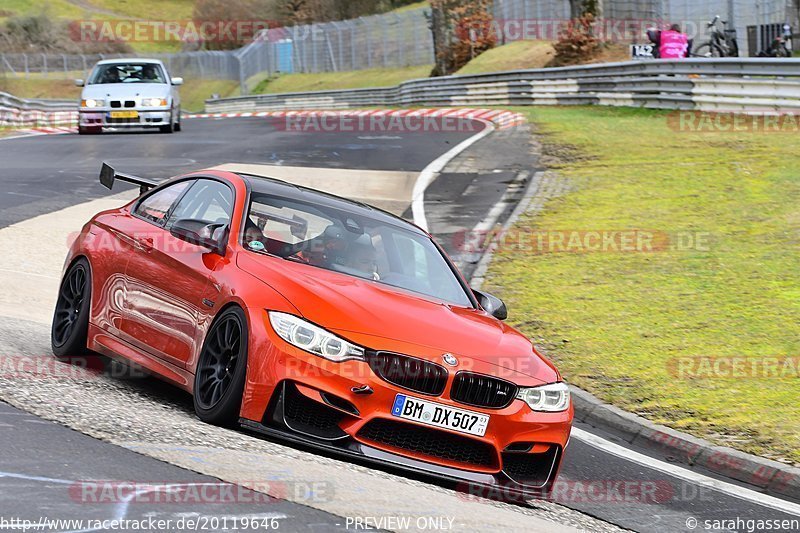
(111, 75)
(362, 257)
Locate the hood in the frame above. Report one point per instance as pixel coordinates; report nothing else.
(120, 91)
(345, 304)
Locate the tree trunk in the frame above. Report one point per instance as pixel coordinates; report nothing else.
(441, 38)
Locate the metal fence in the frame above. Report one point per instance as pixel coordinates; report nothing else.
(404, 39)
(379, 41)
(760, 86)
(206, 65)
(19, 112)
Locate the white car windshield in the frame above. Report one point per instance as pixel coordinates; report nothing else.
(127, 73)
(354, 245)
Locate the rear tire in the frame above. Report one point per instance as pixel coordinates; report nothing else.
(221, 370)
(86, 130)
(69, 331)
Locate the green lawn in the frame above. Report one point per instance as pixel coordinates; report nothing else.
(55, 8)
(616, 322)
(512, 56)
(410, 7)
(517, 55)
(148, 9)
(123, 9)
(166, 10)
(38, 87)
(378, 77)
(194, 93)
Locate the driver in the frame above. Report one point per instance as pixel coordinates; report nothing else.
(149, 73)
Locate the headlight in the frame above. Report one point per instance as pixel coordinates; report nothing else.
(92, 102)
(314, 339)
(551, 398)
(154, 102)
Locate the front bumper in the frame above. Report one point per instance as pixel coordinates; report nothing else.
(145, 118)
(301, 397)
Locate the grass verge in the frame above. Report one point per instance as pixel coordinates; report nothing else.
(194, 93)
(378, 77)
(516, 55)
(619, 323)
(512, 56)
(37, 87)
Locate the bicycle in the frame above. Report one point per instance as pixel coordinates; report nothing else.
(721, 44)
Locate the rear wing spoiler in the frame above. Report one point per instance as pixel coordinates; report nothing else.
(108, 176)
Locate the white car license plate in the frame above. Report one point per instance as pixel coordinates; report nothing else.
(438, 415)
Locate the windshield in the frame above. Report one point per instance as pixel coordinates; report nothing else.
(357, 246)
(127, 73)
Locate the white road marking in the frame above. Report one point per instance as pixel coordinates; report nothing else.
(494, 213)
(123, 506)
(429, 173)
(24, 273)
(691, 476)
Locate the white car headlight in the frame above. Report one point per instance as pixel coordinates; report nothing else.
(551, 398)
(154, 102)
(314, 339)
(92, 102)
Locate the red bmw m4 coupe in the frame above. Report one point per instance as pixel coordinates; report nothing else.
(313, 318)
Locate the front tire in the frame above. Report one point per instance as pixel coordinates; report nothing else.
(221, 370)
(68, 333)
(169, 128)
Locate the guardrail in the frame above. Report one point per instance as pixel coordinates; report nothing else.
(19, 112)
(730, 84)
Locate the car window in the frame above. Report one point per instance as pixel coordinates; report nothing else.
(350, 244)
(208, 201)
(156, 207)
(127, 73)
(416, 264)
(285, 222)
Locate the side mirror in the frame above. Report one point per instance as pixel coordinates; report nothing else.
(79, 83)
(177, 81)
(199, 233)
(492, 305)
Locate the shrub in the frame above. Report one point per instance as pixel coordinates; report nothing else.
(41, 34)
(577, 43)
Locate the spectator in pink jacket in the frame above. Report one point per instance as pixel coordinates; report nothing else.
(673, 44)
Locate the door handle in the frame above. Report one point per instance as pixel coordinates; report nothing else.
(144, 243)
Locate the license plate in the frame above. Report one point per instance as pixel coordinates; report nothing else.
(124, 114)
(438, 415)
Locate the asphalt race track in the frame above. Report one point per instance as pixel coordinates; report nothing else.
(142, 430)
